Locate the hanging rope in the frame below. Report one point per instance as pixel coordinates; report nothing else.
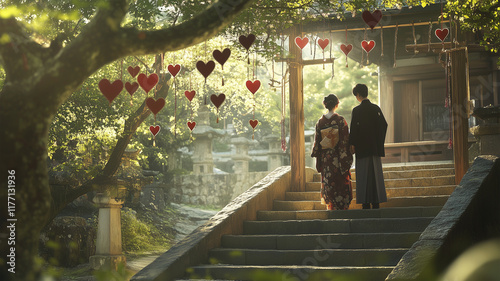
(395, 45)
(381, 40)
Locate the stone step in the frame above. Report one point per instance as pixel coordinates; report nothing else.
(413, 182)
(437, 200)
(371, 225)
(321, 241)
(391, 192)
(406, 174)
(306, 271)
(323, 214)
(325, 257)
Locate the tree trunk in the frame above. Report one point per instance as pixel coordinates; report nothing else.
(23, 154)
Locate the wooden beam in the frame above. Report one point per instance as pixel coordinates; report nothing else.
(459, 65)
(440, 47)
(307, 62)
(297, 138)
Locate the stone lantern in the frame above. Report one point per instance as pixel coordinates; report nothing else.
(488, 133)
(241, 158)
(109, 199)
(203, 162)
(275, 153)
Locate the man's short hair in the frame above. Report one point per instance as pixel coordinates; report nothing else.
(360, 89)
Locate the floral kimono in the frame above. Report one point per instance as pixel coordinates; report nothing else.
(334, 164)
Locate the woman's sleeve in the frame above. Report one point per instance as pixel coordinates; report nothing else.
(316, 146)
(345, 151)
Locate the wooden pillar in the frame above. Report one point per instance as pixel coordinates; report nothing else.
(459, 72)
(386, 95)
(297, 138)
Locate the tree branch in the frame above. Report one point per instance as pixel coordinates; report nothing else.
(62, 197)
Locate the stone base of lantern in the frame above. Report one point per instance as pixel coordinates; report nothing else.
(109, 262)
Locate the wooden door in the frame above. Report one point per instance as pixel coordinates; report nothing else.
(407, 111)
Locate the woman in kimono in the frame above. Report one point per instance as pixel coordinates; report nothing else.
(367, 137)
(333, 157)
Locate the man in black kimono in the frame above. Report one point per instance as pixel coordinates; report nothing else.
(367, 137)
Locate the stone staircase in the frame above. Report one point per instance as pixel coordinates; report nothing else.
(300, 240)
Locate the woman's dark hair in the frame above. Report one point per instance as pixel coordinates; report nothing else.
(360, 89)
(330, 101)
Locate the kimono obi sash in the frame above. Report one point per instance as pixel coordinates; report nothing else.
(329, 137)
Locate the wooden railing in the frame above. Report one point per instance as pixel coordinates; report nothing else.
(417, 152)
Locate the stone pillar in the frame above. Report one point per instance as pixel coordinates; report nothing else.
(241, 157)
(488, 133)
(275, 154)
(109, 235)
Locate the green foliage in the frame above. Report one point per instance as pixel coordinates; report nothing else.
(480, 17)
(121, 274)
(141, 236)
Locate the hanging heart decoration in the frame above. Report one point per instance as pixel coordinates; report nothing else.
(110, 90)
(133, 71)
(147, 82)
(253, 123)
(205, 68)
(217, 100)
(247, 41)
(154, 130)
(346, 49)
(323, 43)
(254, 86)
(155, 105)
(442, 33)
(190, 95)
(131, 87)
(301, 42)
(174, 69)
(367, 45)
(222, 57)
(372, 19)
(191, 125)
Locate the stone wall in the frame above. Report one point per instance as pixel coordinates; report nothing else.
(212, 189)
(470, 216)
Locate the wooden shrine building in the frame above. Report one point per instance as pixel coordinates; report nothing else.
(413, 83)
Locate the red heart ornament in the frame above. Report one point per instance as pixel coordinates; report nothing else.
(133, 70)
(346, 48)
(442, 33)
(174, 69)
(368, 46)
(253, 86)
(217, 100)
(301, 42)
(191, 125)
(205, 68)
(253, 123)
(222, 57)
(155, 105)
(323, 43)
(154, 130)
(372, 19)
(131, 88)
(247, 41)
(147, 83)
(110, 90)
(190, 95)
